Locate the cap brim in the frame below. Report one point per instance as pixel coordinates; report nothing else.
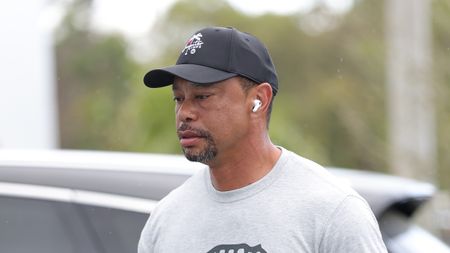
(194, 73)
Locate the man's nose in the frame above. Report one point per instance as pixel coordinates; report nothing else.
(186, 111)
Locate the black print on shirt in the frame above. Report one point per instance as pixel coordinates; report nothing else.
(237, 248)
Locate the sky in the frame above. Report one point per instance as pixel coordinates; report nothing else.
(134, 18)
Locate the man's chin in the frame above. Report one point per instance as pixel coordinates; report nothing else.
(202, 156)
(192, 156)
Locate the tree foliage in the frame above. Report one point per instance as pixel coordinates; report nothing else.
(441, 74)
(331, 104)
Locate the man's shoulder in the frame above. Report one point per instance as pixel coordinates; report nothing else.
(182, 195)
(314, 182)
(320, 192)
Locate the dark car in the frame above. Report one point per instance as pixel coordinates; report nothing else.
(93, 201)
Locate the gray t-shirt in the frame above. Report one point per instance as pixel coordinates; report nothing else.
(298, 207)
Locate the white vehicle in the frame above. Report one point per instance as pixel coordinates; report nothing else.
(94, 201)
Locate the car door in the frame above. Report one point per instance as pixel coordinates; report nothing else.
(43, 226)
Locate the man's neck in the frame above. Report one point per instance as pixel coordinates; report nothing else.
(244, 167)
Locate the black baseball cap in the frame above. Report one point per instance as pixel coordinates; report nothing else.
(214, 54)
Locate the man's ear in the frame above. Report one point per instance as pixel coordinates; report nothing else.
(263, 93)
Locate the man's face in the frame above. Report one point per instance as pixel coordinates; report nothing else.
(211, 119)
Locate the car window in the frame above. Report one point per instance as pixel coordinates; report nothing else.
(401, 235)
(118, 230)
(42, 226)
(416, 240)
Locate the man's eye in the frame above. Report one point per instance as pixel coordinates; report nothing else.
(177, 99)
(202, 96)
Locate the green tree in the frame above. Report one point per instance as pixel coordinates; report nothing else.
(441, 74)
(331, 104)
(95, 75)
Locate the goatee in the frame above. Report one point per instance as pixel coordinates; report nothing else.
(206, 154)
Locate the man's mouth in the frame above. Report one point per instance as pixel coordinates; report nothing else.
(189, 138)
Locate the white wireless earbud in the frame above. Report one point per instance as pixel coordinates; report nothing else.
(256, 105)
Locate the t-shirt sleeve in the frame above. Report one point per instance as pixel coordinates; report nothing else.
(352, 228)
(145, 245)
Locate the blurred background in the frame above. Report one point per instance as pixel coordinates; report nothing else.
(363, 84)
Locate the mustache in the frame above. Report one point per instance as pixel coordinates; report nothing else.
(197, 131)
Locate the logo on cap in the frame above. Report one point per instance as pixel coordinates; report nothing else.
(193, 44)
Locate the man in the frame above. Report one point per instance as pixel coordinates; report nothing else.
(254, 196)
